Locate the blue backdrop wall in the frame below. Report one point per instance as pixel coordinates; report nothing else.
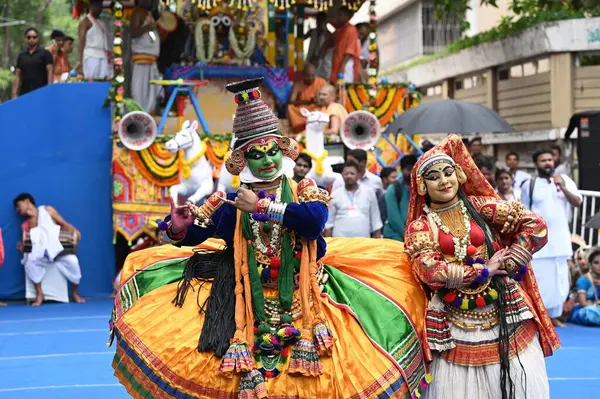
(56, 145)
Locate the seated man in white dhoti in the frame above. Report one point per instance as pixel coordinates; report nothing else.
(44, 224)
(94, 40)
(145, 49)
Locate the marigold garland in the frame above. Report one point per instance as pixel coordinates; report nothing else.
(373, 62)
(325, 5)
(389, 100)
(116, 93)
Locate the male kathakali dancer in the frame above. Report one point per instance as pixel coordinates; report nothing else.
(486, 327)
(269, 314)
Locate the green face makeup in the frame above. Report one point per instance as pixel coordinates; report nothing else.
(265, 161)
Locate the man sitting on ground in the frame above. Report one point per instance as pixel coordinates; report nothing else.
(326, 100)
(44, 224)
(304, 95)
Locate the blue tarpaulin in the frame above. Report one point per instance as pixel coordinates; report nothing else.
(56, 145)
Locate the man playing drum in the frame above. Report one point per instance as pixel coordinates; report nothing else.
(43, 226)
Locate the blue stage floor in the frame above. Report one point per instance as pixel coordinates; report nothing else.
(59, 351)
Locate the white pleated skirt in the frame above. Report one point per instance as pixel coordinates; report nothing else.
(451, 381)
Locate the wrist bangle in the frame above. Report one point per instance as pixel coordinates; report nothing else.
(456, 276)
(175, 236)
(276, 210)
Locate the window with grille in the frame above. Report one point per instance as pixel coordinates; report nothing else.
(437, 34)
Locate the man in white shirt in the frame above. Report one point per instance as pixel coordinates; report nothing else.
(353, 211)
(544, 195)
(519, 177)
(365, 178)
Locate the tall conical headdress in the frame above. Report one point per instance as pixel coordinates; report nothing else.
(254, 122)
(253, 118)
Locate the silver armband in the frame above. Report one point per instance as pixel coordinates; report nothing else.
(276, 210)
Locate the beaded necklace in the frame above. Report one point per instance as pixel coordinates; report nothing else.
(460, 243)
(270, 341)
(479, 296)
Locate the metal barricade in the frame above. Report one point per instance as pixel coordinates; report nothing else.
(589, 208)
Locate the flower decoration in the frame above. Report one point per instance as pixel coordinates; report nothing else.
(117, 90)
(373, 56)
(207, 4)
(284, 4)
(243, 5)
(324, 5)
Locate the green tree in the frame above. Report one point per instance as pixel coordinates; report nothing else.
(45, 15)
(458, 8)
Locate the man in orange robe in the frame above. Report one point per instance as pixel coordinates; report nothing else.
(346, 52)
(326, 100)
(304, 94)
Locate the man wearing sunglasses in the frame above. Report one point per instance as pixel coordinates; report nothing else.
(34, 65)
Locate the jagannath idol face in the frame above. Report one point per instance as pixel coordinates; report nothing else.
(264, 160)
(441, 182)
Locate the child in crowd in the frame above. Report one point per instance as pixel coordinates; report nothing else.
(587, 308)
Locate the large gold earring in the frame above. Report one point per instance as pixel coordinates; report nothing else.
(460, 175)
(290, 147)
(421, 187)
(236, 162)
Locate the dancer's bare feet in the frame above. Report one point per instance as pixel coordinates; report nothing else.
(558, 323)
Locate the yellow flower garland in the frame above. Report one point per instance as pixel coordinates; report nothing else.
(186, 166)
(319, 168)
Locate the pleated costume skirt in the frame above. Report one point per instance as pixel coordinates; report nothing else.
(372, 304)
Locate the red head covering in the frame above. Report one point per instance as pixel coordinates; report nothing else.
(476, 184)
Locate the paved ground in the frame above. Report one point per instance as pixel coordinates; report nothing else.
(59, 351)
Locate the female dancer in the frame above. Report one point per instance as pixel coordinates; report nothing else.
(487, 331)
(278, 317)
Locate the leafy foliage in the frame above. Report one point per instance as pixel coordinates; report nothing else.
(6, 79)
(520, 8)
(45, 15)
(508, 26)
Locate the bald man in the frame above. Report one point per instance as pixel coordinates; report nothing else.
(304, 94)
(326, 101)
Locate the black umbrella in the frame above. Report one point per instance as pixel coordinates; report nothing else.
(449, 116)
(594, 223)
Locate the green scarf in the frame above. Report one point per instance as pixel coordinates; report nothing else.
(285, 280)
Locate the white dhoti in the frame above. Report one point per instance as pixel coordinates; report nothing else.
(552, 275)
(142, 91)
(68, 265)
(349, 71)
(46, 250)
(96, 68)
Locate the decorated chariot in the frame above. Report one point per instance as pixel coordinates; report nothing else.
(162, 156)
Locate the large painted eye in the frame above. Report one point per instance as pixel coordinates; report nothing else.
(226, 21)
(216, 20)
